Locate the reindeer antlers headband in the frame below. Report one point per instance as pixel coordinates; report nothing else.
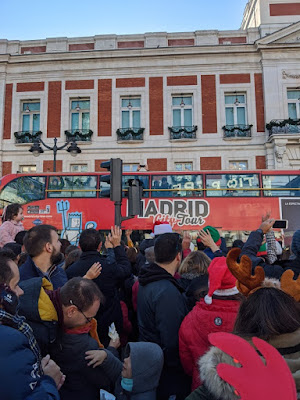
(247, 283)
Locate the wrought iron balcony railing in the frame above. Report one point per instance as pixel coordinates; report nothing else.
(129, 134)
(283, 126)
(237, 131)
(27, 136)
(183, 132)
(79, 135)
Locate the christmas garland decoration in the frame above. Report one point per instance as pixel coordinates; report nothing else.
(79, 134)
(282, 123)
(185, 129)
(125, 132)
(236, 128)
(26, 136)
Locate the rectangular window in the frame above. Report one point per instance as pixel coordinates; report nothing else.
(144, 179)
(293, 96)
(23, 189)
(176, 186)
(281, 185)
(72, 186)
(30, 116)
(27, 169)
(235, 109)
(80, 115)
(238, 165)
(79, 168)
(182, 111)
(131, 113)
(232, 185)
(130, 167)
(184, 166)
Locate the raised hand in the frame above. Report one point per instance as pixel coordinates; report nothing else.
(115, 236)
(94, 271)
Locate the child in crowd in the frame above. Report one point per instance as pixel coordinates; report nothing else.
(11, 223)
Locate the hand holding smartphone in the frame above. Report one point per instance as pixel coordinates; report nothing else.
(280, 224)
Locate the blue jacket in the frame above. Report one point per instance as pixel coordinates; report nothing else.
(29, 270)
(18, 370)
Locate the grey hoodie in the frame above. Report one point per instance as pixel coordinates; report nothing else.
(146, 362)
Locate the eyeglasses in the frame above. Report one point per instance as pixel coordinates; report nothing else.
(89, 319)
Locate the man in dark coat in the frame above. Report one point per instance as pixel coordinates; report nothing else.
(161, 309)
(24, 374)
(115, 268)
(80, 300)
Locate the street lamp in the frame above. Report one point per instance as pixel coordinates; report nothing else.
(36, 149)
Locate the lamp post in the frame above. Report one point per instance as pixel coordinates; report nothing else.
(36, 149)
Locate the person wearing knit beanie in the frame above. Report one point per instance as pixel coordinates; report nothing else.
(214, 234)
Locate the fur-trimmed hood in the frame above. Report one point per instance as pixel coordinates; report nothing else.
(209, 376)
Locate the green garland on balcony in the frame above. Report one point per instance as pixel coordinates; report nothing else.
(237, 128)
(79, 134)
(24, 134)
(180, 129)
(129, 131)
(282, 123)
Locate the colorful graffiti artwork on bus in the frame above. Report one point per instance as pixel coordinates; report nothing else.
(72, 222)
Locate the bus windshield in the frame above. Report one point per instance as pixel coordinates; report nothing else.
(23, 190)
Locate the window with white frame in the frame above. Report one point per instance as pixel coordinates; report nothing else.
(182, 111)
(293, 96)
(80, 115)
(235, 109)
(183, 166)
(238, 165)
(30, 116)
(27, 169)
(130, 167)
(131, 113)
(79, 168)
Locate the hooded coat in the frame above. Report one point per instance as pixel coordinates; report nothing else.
(214, 388)
(161, 309)
(204, 319)
(146, 363)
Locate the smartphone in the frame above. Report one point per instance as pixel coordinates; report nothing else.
(280, 223)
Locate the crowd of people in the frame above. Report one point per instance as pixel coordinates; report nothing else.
(159, 319)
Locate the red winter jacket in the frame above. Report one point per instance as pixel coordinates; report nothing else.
(193, 334)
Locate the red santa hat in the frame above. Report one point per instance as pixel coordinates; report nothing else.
(221, 282)
(160, 227)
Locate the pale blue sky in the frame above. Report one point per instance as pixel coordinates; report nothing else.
(40, 19)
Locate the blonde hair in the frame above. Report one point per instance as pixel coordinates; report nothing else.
(196, 262)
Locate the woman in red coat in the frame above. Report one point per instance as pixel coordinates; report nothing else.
(215, 313)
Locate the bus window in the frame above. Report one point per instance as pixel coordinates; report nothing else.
(143, 178)
(232, 185)
(176, 186)
(23, 190)
(72, 186)
(281, 185)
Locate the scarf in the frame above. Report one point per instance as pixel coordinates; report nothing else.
(90, 327)
(18, 322)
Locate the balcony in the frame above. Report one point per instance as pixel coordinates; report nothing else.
(183, 132)
(237, 131)
(130, 134)
(24, 137)
(283, 126)
(79, 135)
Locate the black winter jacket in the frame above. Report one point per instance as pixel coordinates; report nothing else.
(83, 382)
(108, 282)
(161, 308)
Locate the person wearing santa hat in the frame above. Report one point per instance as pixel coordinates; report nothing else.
(215, 313)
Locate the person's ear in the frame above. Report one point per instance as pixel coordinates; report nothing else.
(100, 246)
(71, 310)
(48, 247)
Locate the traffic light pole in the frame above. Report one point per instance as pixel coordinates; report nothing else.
(118, 216)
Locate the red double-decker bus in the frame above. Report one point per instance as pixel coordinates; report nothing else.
(230, 200)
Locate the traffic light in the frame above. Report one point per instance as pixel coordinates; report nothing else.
(135, 192)
(114, 165)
